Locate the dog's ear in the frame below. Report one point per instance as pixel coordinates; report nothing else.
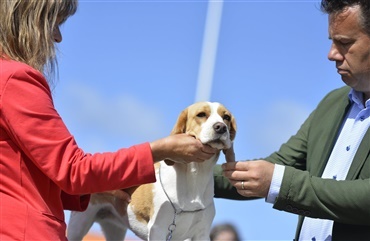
(180, 126)
(232, 130)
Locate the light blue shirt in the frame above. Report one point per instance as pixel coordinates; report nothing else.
(353, 130)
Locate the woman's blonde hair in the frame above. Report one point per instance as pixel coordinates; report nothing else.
(26, 30)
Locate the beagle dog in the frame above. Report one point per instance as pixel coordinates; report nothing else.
(179, 205)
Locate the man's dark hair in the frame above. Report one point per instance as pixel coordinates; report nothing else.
(337, 6)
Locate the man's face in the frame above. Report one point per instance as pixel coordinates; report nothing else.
(350, 49)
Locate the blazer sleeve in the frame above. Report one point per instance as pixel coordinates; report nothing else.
(35, 126)
(305, 155)
(342, 201)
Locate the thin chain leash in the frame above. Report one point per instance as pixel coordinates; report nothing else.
(172, 226)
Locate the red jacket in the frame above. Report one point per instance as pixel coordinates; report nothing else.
(42, 170)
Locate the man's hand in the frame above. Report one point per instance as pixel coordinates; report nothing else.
(250, 178)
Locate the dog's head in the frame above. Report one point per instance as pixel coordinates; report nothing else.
(210, 122)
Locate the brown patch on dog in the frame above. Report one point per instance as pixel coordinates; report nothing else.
(190, 119)
(231, 123)
(198, 113)
(142, 202)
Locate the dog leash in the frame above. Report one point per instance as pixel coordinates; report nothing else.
(172, 226)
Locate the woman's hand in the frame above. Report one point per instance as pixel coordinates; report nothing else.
(181, 148)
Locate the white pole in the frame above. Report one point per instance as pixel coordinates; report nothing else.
(209, 50)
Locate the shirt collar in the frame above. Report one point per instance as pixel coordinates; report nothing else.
(357, 98)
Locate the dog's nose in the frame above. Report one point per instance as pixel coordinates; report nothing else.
(219, 128)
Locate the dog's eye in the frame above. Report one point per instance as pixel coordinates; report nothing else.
(201, 114)
(227, 117)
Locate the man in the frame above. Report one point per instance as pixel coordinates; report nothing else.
(323, 172)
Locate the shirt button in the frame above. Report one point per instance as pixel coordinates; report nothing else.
(362, 118)
(348, 148)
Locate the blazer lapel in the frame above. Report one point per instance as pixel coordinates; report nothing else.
(360, 157)
(335, 114)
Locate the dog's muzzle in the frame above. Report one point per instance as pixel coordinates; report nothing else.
(217, 137)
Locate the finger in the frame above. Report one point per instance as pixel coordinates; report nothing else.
(208, 149)
(196, 159)
(228, 166)
(241, 186)
(246, 193)
(236, 183)
(239, 165)
(236, 175)
(199, 159)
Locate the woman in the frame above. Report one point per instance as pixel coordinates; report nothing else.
(42, 170)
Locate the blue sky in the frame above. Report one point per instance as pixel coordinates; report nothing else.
(128, 68)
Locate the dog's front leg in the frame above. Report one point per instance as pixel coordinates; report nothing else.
(113, 231)
(158, 231)
(203, 226)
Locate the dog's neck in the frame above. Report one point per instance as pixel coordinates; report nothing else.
(197, 167)
(190, 186)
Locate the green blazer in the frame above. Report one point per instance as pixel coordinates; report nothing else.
(305, 155)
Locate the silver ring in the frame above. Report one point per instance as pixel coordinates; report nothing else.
(242, 185)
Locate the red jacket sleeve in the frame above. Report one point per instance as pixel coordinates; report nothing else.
(29, 116)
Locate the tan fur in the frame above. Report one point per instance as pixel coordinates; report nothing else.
(142, 201)
(230, 124)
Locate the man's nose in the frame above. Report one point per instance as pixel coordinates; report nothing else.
(334, 54)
